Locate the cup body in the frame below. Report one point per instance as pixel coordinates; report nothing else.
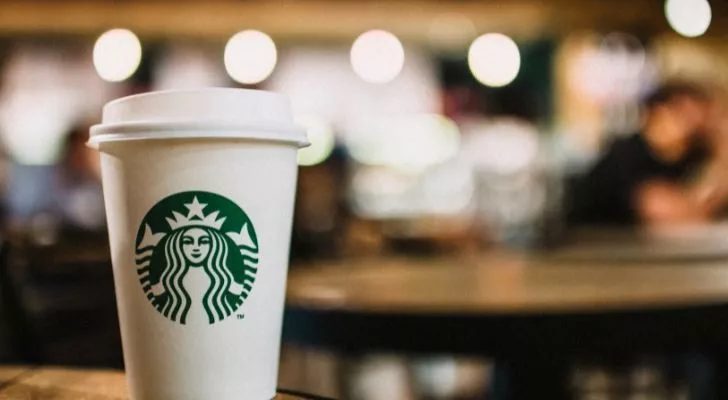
(199, 228)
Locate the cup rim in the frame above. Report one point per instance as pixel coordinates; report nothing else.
(162, 130)
(201, 113)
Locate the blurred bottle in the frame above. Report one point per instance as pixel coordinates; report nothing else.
(644, 380)
(320, 215)
(552, 227)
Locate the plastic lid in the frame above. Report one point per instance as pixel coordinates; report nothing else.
(199, 113)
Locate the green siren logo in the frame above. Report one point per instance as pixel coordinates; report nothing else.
(196, 255)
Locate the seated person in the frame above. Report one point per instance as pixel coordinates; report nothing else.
(651, 177)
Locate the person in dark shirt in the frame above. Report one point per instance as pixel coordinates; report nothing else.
(645, 178)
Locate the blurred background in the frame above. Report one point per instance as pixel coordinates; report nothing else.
(439, 130)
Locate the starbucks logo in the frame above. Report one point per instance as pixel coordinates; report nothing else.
(196, 252)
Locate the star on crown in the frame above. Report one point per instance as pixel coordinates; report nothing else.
(195, 217)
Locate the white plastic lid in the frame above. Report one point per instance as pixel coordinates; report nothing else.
(199, 114)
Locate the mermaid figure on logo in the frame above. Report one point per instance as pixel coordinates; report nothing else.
(196, 242)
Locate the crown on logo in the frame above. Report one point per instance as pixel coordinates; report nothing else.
(195, 217)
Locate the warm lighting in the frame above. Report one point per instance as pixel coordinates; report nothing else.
(117, 54)
(250, 57)
(31, 140)
(188, 67)
(451, 32)
(321, 136)
(411, 142)
(377, 56)
(690, 18)
(505, 147)
(611, 69)
(494, 59)
(41, 82)
(320, 81)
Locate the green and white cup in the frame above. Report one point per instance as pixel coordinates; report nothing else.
(199, 188)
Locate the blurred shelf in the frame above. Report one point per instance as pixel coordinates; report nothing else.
(332, 20)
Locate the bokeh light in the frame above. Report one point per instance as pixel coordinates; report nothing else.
(690, 18)
(505, 147)
(377, 56)
(321, 136)
(117, 54)
(411, 142)
(494, 59)
(612, 69)
(250, 57)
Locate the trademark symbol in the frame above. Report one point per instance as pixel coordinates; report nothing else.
(241, 316)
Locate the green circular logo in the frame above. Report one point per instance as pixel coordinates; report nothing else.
(196, 253)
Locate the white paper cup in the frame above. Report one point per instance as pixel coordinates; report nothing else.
(199, 188)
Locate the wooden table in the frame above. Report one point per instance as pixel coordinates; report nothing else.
(506, 285)
(26, 383)
(645, 245)
(510, 308)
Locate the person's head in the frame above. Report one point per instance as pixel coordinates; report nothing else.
(676, 118)
(79, 158)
